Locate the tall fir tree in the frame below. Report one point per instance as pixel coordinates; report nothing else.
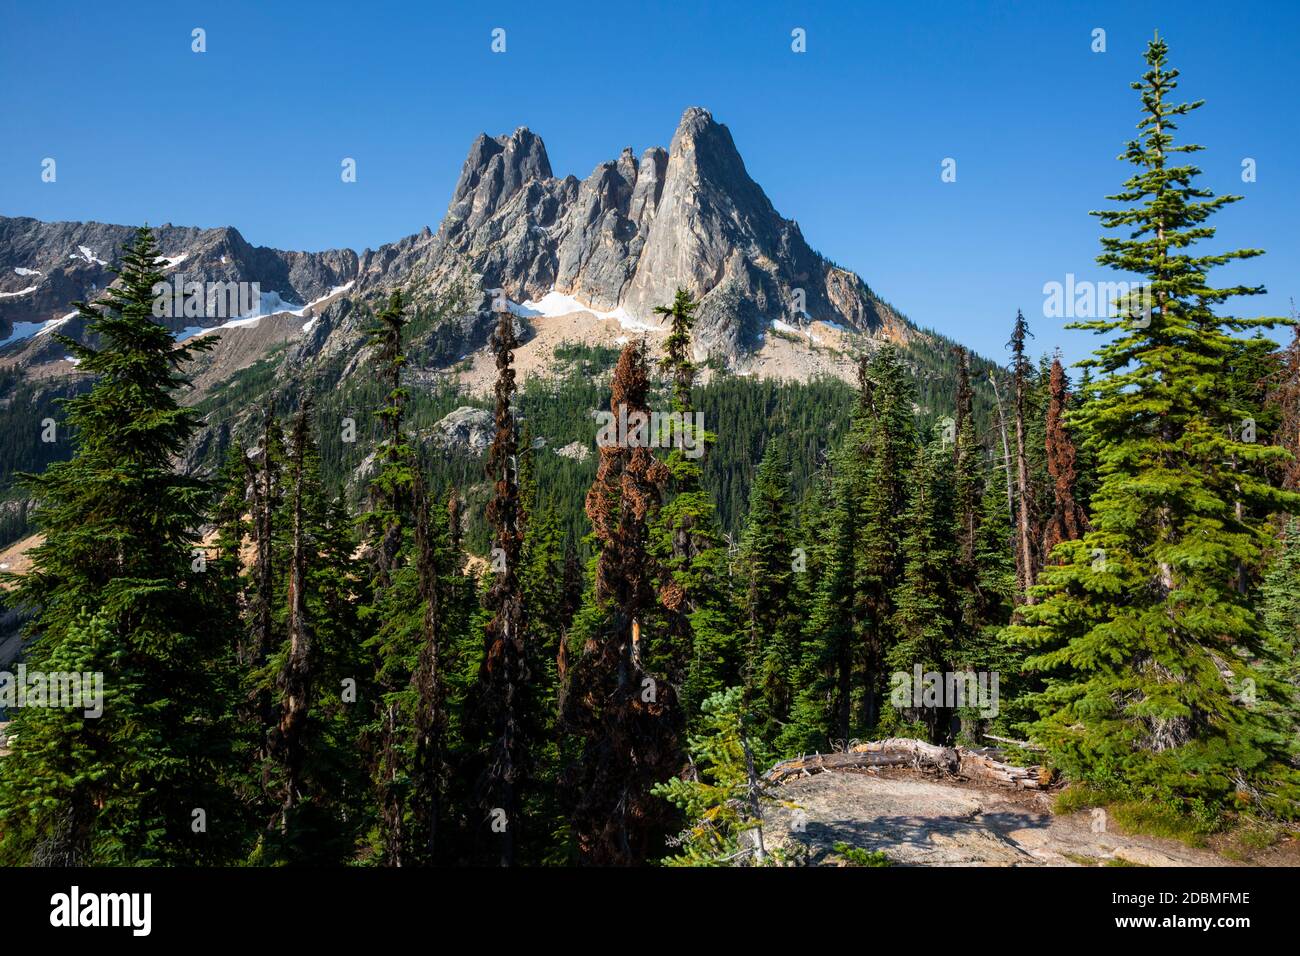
(1067, 521)
(1143, 630)
(296, 681)
(821, 714)
(927, 618)
(1284, 396)
(851, 627)
(504, 677)
(402, 752)
(885, 493)
(698, 651)
(1021, 375)
(426, 698)
(391, 487)
(627, 719)
(768, 563)
(118, 587)
(966, 453)
(968, 489)
(314, 783)
(548, 596)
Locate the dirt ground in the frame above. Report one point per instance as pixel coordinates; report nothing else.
(920, 820)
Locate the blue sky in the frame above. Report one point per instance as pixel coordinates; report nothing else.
(846, 138)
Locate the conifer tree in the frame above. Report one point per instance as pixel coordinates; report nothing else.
(1285, 397)
(230, 515)
(851, 627)
(297, 676)
(968, 488)
(333, 774)
(767, 557)
(966, 461)
(681, 528)
(1281, 605)
(313, 775)
(118, 587)
(504, 676)
(258, 710)
(1067, 521)
(427, 693)
(545, 575)
(391, 487)
(927, 619)
(1144, 615)
(550, 608)
(716, 800)
(822, 711)
(884, 489)
(397, 612)
(1021, 371)
(698, 652)
(627, 718)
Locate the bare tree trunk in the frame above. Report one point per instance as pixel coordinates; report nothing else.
(1006, 449)
(297, 677)
(265, 573)
(427, 681)
(752, 792)
(1023, 532)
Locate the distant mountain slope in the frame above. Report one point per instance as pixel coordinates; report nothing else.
(45, 266)
(619, 242)
(581, 263)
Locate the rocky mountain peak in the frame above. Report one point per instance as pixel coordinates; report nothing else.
(497, 167)
(619, 242)
(635, 229)
(703, 150)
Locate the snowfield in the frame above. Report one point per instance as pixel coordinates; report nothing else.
(87, 254)
(25, 330)
(270, 304)
(793, 330)
(556, 304)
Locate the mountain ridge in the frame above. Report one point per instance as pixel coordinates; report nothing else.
(622, 239)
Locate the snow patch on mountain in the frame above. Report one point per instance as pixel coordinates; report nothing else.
(84, 252)
(555, 304)
(26, 330)
(794, 330)
(270, 303)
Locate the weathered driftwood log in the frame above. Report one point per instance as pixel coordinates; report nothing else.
(980, 765)
(894, 752)
(901, 752)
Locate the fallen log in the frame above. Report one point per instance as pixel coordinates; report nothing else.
(981, 767)
(894, 752)
(901, 752)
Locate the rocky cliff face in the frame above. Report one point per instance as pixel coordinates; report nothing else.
(45, 266)
(635, 229)
(619, 242)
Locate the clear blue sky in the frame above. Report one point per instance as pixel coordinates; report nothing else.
(847, 138)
